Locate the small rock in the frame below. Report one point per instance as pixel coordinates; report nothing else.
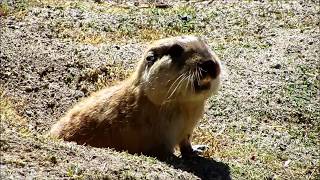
(162, 5)
(13, 27)
(28, 89)
(277, 66)
(283, 147)
(286, 163)
(272, 177)
(78, 94)
(45, 86)
(279, 101)
(51, 104)
(117, 47)
(84, 90)
(31, 88)
(4, 145)
(185, 18)
(53, 159)
(29, 113)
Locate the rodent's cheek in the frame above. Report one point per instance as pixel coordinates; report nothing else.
(145, 76)
(150, 73)
(155, 93)
(215, 85)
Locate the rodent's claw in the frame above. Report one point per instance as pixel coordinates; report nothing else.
(199, 148)
(195, 151)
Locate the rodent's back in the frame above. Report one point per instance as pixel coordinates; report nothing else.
(80, 123)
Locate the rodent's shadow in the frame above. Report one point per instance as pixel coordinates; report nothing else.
(204, 168)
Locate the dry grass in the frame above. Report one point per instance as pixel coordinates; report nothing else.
(131, 26)
(107, 75)
(8, 114)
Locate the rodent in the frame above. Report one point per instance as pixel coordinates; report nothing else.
(156, 108)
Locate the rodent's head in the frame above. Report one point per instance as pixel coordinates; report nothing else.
(180, 68)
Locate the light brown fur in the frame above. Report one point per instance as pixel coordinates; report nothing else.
(154, 110)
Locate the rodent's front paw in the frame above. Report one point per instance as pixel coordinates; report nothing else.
(199, 148)
(196, 150)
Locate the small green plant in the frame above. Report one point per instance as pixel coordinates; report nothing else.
(4, 8)
(74, 171)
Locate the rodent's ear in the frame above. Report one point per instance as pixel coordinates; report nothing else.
(175, 50)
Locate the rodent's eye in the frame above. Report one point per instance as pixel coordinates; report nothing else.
(151, 58)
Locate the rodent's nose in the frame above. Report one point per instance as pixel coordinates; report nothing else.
(210, 67)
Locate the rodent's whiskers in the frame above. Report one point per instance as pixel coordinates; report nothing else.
(178, 85)
(192, 80)
(172, 85)
(189, 80)
(187, 84)
(197, 75)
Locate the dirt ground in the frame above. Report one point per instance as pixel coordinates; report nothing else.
(263, 124)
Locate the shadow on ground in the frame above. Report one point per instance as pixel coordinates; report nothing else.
(204, 168)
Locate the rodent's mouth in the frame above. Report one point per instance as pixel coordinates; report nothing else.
(207, 71)
(199, 78)
(203, 84)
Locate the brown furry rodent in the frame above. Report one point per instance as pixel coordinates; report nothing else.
(155, 109)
